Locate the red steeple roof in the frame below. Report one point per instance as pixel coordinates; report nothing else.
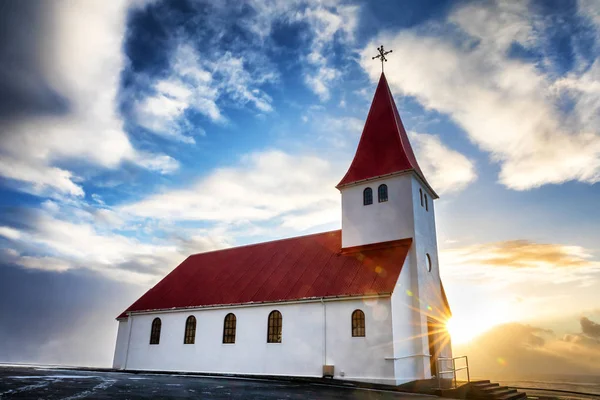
(384, 147)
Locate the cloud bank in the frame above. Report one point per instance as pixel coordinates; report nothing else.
(520, 351)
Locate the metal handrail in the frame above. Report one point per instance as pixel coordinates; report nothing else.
(411, 356)
(452, 370)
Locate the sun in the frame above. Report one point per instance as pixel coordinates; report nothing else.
(465, 328)
(462, 331)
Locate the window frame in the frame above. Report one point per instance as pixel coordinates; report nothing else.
(189, 335)
(229, 328)
(380, 198)
(155, 331)
(367, 196)
(274, 327)
(358, 323)
(421, 195)
(426, 203)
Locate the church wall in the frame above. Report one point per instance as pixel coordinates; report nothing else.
(301, 352)
(361, 358)
(417, 296)
(377, 222)
(428, 282)
(408, 348)
(121, 346)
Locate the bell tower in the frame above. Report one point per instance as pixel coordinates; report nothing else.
(385, 198)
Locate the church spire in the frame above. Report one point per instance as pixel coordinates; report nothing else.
(384, 148)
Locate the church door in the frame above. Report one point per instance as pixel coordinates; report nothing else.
(431, 336)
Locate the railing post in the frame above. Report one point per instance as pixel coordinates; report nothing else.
(454, 371)
(468, 372)
(438, 373)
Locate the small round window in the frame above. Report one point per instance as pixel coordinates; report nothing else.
(428, 262)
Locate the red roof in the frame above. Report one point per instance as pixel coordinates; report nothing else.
(304, 267)
(384, 147)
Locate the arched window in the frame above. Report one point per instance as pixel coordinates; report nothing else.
(358, 323)
(426, 205)
(155, 331)
(428, 262)
(229, 325)
(382, 194)
(421, 195)
(190, 330)
(367, 196)
(275, 323)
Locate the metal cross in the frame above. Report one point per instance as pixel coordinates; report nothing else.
(381, 55)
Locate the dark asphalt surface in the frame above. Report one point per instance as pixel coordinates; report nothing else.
(70, 384)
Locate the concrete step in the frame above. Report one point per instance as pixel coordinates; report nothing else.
(499, 391)
(483, 385)
(513, 396)
(500, 396)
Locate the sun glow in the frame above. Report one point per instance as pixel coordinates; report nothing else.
(463, 330)
(458, 333)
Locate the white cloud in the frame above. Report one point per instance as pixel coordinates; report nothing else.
(44, 263)
(328, 22)
(60, 245)
(81, 57)
(264, 186)
(9, 232)
(190, 86)
(446, 170)
(197, 83)
(39, 177)
(163, 164)
(507, 106)
(336, 131)
(520, 261)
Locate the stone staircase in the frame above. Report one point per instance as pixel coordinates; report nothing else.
(486, 390)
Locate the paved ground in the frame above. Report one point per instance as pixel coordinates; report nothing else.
(50, 383)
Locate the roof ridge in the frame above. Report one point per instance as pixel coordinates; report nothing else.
(362, 137)
(261, 243)
(398, 124)
(377, 246)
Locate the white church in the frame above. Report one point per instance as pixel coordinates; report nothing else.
(363, 303)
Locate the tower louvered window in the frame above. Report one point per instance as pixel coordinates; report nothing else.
(426, 204)
(367, 196)
(421, 195)
(274, 328)
(155, 331)
(190, 330)
(382, 193)
(229, 326)
(358, 323)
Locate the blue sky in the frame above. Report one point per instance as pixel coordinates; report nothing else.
(136, 133)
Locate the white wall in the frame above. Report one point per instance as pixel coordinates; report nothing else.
(377, 222)
(429, 282)
(427, 296)
(121, 346)
(408, 346)
(301, 352)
